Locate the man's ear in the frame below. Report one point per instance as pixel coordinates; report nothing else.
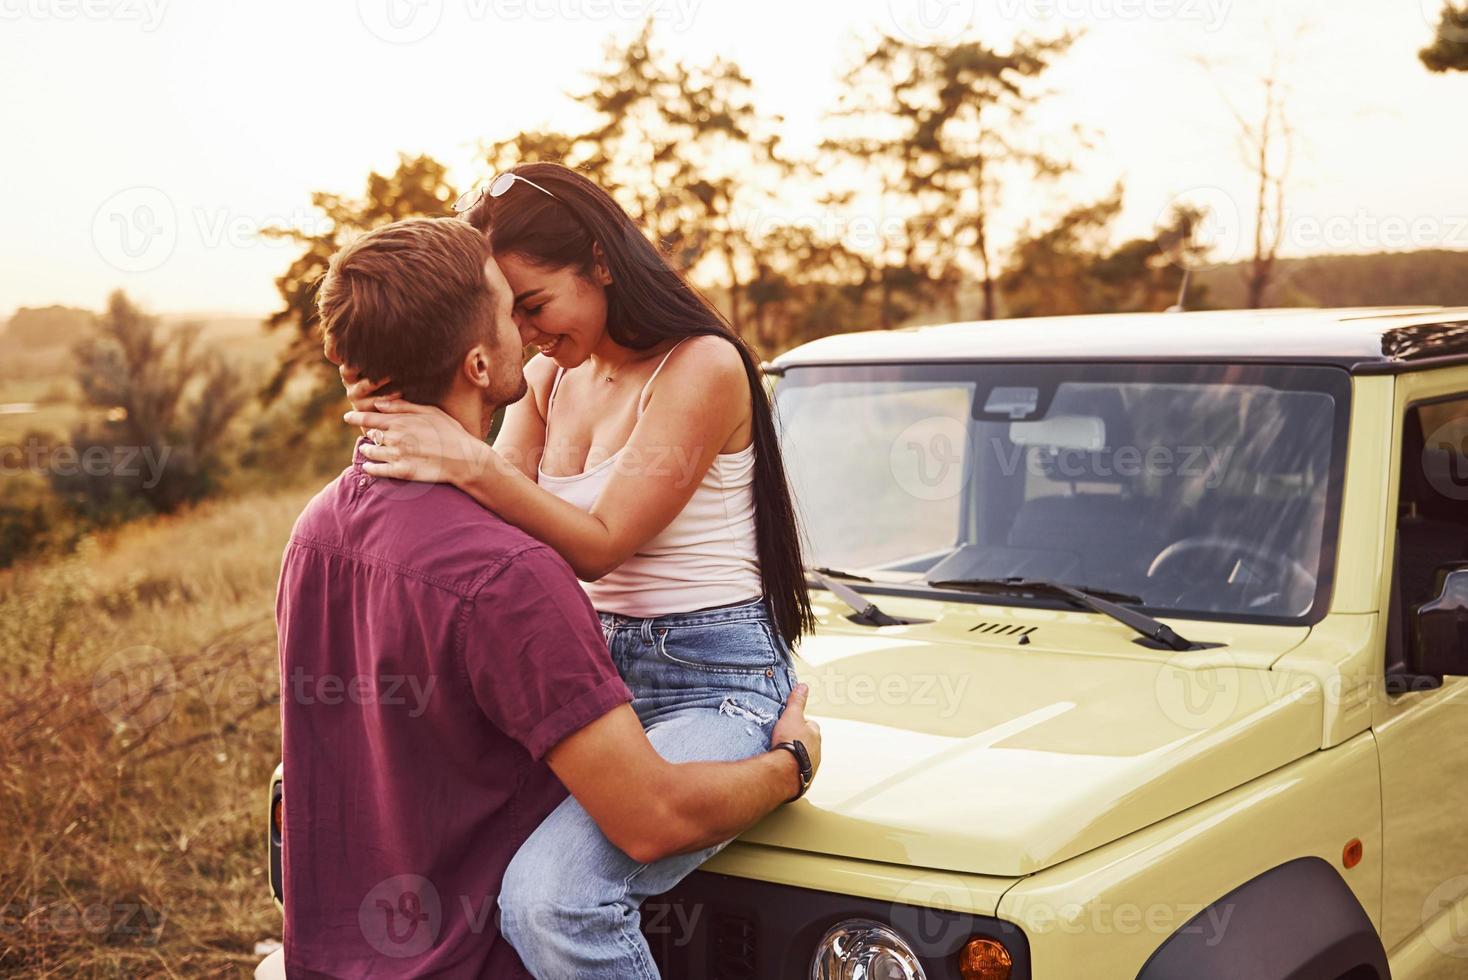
(477, 367)
(599, 269)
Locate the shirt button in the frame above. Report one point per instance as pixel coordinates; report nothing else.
(362, 483)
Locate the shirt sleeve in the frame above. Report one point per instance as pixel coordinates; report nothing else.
(535, 654)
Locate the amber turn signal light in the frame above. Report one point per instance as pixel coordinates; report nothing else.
(984, 959)
(1351, 856)
(277, 815)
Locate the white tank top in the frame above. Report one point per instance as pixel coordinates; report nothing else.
(705, 557)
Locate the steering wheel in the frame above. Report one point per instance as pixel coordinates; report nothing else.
(1289, 573)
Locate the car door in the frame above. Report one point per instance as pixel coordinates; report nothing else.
(1422, 732)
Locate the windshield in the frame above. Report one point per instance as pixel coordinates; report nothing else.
(1203, 489)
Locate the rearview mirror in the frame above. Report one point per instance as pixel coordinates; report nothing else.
(1440, 625)
(1084, 432)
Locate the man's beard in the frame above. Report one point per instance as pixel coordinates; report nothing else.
(522, 387)
(492, 402)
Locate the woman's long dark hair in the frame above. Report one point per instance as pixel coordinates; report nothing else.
(648, 302)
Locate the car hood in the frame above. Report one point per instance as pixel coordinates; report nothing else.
(954, 745)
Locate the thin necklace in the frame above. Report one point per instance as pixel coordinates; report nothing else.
(608, 377)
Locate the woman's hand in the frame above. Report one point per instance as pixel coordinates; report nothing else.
(420, 443)
(362, 392)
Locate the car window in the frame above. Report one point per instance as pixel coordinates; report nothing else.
(1200, 488)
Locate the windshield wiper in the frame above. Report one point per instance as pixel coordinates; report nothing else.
(1096, 600)
(1020, 586)
(837, 573)
(864, 611)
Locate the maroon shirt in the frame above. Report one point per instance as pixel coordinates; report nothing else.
(430, 655)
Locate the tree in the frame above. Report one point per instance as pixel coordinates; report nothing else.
(805, 286)
(418, 187)
(1449, 48)
(1071, 268)
(531, 146)
(168, 405)
(32, 520)
(675, 144)
(1268, 143)
(945, 128)
(1266, 139)
(682, 147)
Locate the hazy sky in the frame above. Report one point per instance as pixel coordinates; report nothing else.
(146, 141)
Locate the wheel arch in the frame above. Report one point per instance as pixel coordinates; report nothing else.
(1296, 921)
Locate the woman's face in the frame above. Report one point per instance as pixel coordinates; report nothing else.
(560, 311)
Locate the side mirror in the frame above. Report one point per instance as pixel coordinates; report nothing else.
(1440, 626)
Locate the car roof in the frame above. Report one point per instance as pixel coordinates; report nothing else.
(1369, 340)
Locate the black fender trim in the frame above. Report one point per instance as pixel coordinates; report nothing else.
(1299, 921)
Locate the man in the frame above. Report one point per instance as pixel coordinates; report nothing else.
(444, 677)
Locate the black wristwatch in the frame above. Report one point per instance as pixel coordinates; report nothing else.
(802, 759)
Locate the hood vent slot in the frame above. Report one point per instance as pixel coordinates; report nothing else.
(1003, 629)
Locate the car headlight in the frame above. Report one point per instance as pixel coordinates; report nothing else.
(863, 949)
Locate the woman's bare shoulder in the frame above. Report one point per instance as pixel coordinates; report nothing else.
(710, 357)
(706, 370)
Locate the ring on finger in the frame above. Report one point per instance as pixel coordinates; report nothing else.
(377, 436)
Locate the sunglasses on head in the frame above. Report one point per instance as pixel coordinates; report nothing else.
(495, 188)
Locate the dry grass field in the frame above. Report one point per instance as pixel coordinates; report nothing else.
(139, 686)
(138, 704)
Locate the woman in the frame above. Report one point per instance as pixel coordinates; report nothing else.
(646, 456)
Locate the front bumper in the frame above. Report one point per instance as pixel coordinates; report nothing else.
(273, 841)
(719, 927)
(716, 926)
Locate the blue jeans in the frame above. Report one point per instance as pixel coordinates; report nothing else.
(708, 686)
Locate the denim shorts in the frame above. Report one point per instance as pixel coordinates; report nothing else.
(729, 658)
(708, 686)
